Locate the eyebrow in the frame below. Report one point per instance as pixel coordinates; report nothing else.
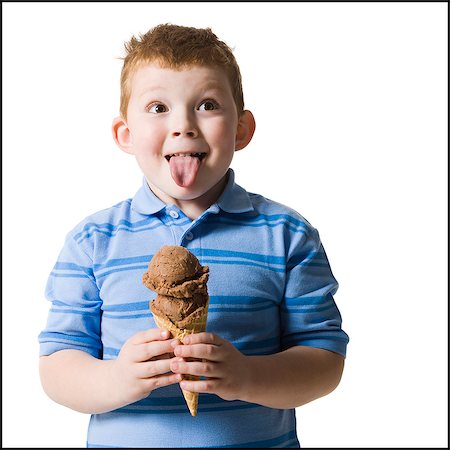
(213, 85)
(209, 85)
(148, 89)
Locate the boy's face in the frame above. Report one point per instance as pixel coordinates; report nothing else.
(183, 128)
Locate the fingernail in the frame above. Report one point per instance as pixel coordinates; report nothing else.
(186, 340)
(174, 343)
(164, 334)
(174, 366)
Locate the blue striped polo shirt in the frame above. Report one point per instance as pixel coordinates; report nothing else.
(270, 287)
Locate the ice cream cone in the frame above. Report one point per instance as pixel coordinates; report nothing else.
(181, 306)
(197, 325)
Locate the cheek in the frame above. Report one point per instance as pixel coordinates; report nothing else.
(222, 134)
(147, 137)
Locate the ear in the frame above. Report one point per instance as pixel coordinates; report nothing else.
(245, 129)
(122, 135)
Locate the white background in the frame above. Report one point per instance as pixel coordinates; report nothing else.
(350, 101)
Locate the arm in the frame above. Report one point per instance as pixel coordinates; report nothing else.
(86, 384)
(284, 380)
(79, 381)
(294, 377)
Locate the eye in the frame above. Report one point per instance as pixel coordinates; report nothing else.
(208, 105)
(156, 108)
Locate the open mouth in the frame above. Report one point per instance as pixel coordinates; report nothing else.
(200, 156)
(184, 167)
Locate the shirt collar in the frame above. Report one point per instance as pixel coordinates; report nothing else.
(145, 201)
(234, 199)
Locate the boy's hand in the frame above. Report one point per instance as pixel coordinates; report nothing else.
(143, 365)
(226, 369)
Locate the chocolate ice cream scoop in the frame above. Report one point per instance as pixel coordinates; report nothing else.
(179, 311)
(174, 271)
(173, 264)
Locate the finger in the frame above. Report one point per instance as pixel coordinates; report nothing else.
(198, 386)
(201, 351)
(155, 349)
(154, 368)
(203, 338)
(150, 335)
(198, 368)
(161, 380)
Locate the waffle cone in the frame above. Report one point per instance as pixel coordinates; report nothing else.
(196, 326)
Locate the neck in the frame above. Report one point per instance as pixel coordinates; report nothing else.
(196, 207)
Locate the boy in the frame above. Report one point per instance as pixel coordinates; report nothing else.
(274, 339)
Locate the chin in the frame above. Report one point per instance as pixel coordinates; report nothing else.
(187, 194)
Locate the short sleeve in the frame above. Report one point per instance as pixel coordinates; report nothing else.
(309, 315)
(74, 317)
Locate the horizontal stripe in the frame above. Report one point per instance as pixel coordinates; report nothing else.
(110, 229)
(211, 311)
(121, 269)
(129, 316)
(71, 266)
(69, 275)
(59, 337)
(88, 227)
(237, 300)
(243, 309)
(74, 311)
(305, 310)
(220, 300)
(259, 220)
(182, 409)
(115, 231)
(270, 259)
(254, 225)
(305, 300)
(267, 259)
(263, 219)
(163, 400)
(243, 263)
(134, 306)
(242, 346)
(210, 262)
(223, 257)
(204, 262)
(84, 303)
(123, 261)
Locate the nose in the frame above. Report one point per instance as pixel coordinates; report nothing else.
(191, 133)
(184, 126)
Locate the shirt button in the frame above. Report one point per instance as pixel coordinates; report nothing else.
(173, 214)
(189, 236)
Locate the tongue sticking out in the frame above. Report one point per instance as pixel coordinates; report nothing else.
(184, 169)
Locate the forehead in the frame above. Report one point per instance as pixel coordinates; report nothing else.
(153, 76)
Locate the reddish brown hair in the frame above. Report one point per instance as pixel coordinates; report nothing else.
(178, 47)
